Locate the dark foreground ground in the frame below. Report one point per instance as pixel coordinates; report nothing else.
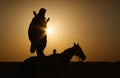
(75, 70)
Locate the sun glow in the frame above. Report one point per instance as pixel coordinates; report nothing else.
(49, 30)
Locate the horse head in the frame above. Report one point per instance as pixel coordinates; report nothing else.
(79, 52)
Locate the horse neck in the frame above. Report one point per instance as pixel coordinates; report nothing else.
(67, 55)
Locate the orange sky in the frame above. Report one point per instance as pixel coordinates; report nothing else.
(94, 24)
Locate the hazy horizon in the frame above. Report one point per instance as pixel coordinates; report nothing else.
(94, 24)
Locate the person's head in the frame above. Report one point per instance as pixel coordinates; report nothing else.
(42, 11)
(54, 51)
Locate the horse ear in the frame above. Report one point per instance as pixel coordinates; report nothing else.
(74, 44)
(78, 43)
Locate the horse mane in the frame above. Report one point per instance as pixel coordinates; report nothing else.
(67, 50)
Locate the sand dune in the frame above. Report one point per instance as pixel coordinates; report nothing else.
(75, 70)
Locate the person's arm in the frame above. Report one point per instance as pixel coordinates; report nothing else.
(47, 20)
(35, 14)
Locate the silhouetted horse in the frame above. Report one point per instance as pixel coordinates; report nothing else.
(55, 63)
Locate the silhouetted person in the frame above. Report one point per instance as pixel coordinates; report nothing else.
(37, 32)
(54, 51)
(55, 56)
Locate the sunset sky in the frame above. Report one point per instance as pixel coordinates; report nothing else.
(94, 24)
